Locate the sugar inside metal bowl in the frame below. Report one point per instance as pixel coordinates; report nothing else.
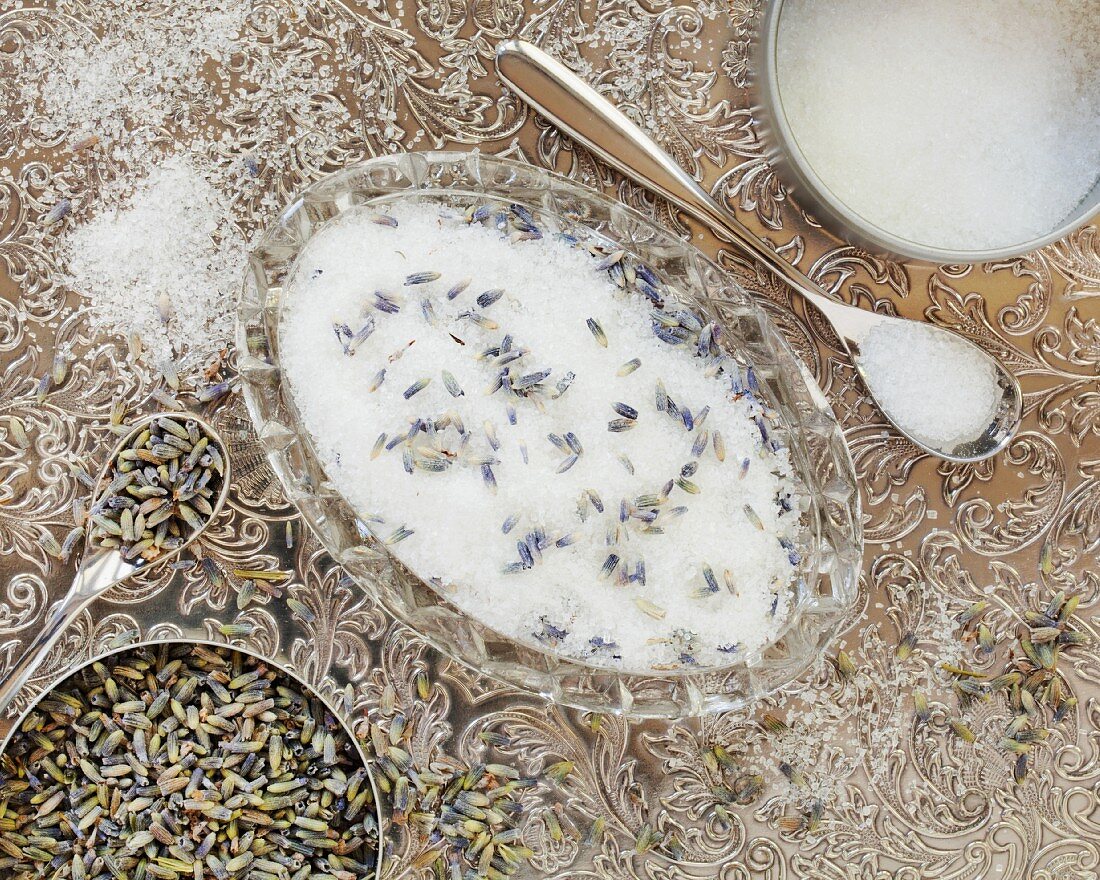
(925, 131)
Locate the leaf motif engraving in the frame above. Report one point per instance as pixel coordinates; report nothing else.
(1025, 518)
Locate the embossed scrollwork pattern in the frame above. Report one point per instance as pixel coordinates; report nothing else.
(834, 778)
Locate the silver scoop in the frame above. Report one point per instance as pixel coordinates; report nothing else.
(101, 568)
(593, 121)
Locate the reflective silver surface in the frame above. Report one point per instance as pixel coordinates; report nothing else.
(901, 799)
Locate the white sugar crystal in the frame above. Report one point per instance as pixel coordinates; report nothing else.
(932, 384)
(959, 125)
(550, 292)
(146, 85)
(122, 85)
(165, 264)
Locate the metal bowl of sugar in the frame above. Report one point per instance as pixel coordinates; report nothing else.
(945, 132)
(824, 589)
(157, 756)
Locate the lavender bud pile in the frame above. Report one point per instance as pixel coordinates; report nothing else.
(468, 818)
(184, 761)
(161, 488)
(1031, 681)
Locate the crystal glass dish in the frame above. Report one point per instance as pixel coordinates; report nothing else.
(827, 576)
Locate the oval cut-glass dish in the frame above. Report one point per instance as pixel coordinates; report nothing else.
(825, 587)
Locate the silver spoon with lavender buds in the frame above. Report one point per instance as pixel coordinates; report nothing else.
(593, 121)
(164, 483)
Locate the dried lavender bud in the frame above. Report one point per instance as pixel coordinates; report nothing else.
(159, 490)
(193, 755)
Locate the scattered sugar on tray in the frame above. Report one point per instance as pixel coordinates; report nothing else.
(459, 523)
(934, 386)
(164, 263)
(115, 99)
(147, 62)
(959, 125)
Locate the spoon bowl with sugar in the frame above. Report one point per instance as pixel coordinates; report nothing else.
(163, 484)
(968, 406)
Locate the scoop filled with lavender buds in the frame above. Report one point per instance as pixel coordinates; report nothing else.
(163, 485)
(181, 760)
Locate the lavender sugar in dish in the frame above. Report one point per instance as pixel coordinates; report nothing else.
(536, 427)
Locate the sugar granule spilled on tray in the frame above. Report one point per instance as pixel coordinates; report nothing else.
(122, 85)
(933, 385)
(578, 467)
(162, 263)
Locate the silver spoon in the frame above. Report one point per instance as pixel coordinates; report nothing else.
(100, 569)
(590, 119)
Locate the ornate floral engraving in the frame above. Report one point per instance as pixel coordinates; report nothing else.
(853, 783)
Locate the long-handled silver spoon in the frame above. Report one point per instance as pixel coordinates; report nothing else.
(102, 568)
(593, 121)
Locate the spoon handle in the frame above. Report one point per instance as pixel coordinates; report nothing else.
(96, 573)
(590, 119)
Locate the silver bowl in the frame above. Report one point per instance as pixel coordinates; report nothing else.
(795, 169)
(828, 576)
(341, 719)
